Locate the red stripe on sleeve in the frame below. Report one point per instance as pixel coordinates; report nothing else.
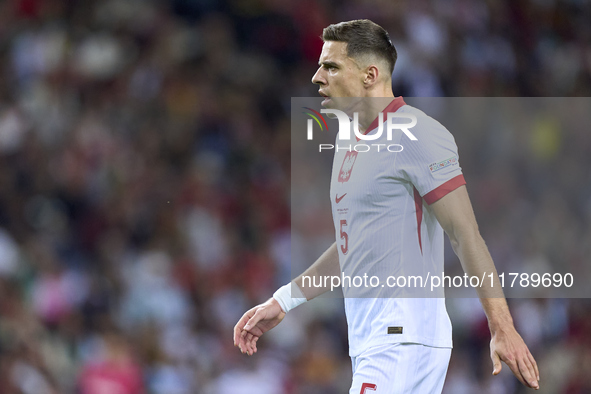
(419, 212)
(442, 190)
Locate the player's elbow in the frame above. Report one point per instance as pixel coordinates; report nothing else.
(463, 234)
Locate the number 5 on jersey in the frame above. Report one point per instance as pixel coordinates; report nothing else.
(345, 237)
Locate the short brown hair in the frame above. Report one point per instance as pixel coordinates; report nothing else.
(363, 37)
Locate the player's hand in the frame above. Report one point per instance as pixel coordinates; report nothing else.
(255, 323)
(508, 346)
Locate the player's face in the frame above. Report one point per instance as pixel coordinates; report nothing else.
(338, 75)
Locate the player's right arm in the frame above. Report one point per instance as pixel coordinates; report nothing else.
(260, 319)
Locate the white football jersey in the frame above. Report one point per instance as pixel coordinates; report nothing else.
(384, 227)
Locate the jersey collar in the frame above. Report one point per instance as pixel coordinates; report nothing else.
(392, 107)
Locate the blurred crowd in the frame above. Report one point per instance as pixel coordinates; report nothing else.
(145, 184)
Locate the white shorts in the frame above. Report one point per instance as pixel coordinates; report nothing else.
(400, 368)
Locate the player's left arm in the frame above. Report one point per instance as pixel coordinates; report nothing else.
(454, 213)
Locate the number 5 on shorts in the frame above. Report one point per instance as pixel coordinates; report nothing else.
(365, 387)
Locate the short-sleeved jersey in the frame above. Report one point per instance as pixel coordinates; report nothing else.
(384, 227)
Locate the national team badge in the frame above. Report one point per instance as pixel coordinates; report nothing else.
(347, 166)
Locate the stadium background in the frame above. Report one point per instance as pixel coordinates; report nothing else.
(144, 187)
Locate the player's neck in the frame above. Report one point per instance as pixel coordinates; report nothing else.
(372, 106)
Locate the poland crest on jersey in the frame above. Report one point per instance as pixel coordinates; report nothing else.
(347, 166)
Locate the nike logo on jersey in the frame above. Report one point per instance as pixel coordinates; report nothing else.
(338, 199)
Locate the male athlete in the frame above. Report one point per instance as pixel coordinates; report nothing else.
(390, 211)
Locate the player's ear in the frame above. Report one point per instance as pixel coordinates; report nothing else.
(371, 75)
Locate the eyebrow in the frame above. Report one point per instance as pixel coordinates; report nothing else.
(328, 64)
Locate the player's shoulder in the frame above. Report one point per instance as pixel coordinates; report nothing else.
(426, 126)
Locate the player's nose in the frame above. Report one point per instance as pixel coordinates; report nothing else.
(318, 79)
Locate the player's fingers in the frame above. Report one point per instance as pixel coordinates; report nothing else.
(515, 369)
(237, 330)
(241, 341)
(534, 381)
(249, 343)
(240, 325)
(254, 320)
(255, 343)
(246, 342)
(532, 371)
(533, 361)
(527, 371)
(497, 366)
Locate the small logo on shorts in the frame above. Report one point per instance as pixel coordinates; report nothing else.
(394, 330)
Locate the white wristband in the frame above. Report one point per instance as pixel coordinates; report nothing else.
(286, 299)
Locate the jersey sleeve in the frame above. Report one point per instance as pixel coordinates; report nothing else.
(431, 163)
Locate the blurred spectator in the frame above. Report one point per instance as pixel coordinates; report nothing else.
(111, 369)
